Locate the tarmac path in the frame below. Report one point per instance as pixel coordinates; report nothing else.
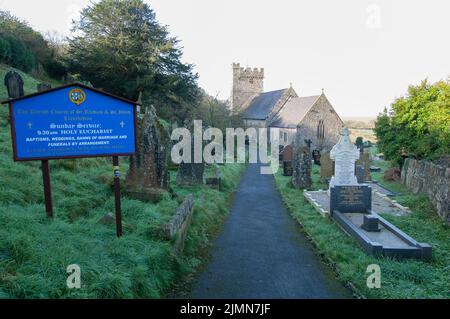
(261, 253)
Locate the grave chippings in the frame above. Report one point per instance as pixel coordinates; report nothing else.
(148, 176)
(14, 84)
(301, 164)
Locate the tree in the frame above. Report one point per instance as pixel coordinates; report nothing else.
(123, 49)
(359, 141)
(417, 124)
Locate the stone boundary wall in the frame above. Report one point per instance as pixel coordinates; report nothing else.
(430, 179)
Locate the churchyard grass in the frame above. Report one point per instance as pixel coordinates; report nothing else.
(399, 279)
(35, 251)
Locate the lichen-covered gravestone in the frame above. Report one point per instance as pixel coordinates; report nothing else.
(301, 164)
(14, 84)
(148, 177)
(344, 154)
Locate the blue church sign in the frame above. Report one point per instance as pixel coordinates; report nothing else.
(72, 121)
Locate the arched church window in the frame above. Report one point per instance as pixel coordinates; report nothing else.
(320, 130)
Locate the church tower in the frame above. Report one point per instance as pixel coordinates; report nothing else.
(247, 84)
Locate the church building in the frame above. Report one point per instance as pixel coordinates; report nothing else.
(312, 116)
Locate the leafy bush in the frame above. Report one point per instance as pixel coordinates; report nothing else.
(416, 125)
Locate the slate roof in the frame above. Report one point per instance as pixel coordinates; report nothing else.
(293, 111)
(262, 105)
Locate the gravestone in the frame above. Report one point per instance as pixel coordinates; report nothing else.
(190, 173)
(351, 199)
(43, 87)
(287, 153)
(287, 168)
(364, 160)
(286, 157)
(14, 84)
(359, 172)
(148, 175)
(316, 157)
(326, 167)
(301, 164)
(344, 154)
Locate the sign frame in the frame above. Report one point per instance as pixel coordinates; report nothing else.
(76, 84)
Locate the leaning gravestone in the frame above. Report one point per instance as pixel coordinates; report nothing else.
(14, 84)
(286, 157)
(148, 176)
(301, 164)
(344, 154)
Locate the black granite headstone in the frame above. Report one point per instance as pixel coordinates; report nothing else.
(351, 199)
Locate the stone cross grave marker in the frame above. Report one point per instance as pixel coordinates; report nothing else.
(344, 154)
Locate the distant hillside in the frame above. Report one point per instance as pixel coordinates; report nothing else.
(360, 122)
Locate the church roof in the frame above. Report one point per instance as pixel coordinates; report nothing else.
(293, 111)
(261, 106)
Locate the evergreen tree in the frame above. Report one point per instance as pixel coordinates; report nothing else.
(124, 50)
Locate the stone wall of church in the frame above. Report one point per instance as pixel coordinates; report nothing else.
(331, 123)
(247, 83)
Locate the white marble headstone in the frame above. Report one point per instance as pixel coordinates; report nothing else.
(344, 154)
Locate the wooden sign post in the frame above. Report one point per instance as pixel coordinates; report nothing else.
(73, 121)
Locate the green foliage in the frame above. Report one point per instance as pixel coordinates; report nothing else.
(359, 141)
(399, 278)
(418, 124)
(27, 49)
(124, 50)
(14, 52)
(215, 113)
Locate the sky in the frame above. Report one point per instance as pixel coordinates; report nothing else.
(363, 53)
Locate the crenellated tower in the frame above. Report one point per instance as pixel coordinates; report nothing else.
(247, 83)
